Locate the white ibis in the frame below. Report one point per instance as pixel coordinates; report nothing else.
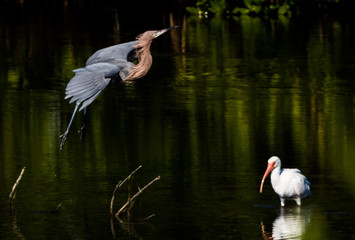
(289, 184)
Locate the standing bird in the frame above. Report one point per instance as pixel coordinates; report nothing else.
(289, 184)
(107, 65)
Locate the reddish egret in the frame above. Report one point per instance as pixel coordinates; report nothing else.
(289, 184)
(106, 65)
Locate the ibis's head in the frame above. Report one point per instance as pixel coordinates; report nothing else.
(272, 163)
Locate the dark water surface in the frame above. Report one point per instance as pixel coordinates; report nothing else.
(221, 98)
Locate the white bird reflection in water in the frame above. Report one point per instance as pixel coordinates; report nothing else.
(290, 224)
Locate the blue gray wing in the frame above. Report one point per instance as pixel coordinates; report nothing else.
(89, 82)
(113, 53)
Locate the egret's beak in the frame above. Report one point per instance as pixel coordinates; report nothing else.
(160, 32)
(269, 168)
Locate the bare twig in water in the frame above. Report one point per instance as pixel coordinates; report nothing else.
(128, 205)
(112, 227)
(12, 194)
(59, 206)
(149, 217)
(131, 200)
(119, 184)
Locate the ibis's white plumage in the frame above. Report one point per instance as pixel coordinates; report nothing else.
(289, 184)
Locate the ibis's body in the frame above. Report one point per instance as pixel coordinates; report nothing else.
(289, 184)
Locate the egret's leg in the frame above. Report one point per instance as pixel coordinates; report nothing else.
(282, 202)
(64, 135)
(82, 130)
(298, 201)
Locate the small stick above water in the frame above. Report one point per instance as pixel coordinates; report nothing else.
(119, 184)
(12, 193)
(131, 200)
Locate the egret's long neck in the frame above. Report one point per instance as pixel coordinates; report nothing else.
(145, 61)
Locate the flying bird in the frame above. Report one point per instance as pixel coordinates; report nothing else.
(106, 65)
(288, 183)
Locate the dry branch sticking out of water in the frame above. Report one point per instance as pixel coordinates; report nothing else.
(130, 202)
(119, 184)
(12, 193)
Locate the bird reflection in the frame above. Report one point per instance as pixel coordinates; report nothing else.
(290, 224)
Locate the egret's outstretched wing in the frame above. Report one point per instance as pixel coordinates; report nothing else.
(112, 54)
(89, 81)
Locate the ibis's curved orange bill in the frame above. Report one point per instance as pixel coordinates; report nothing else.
(269, 168)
